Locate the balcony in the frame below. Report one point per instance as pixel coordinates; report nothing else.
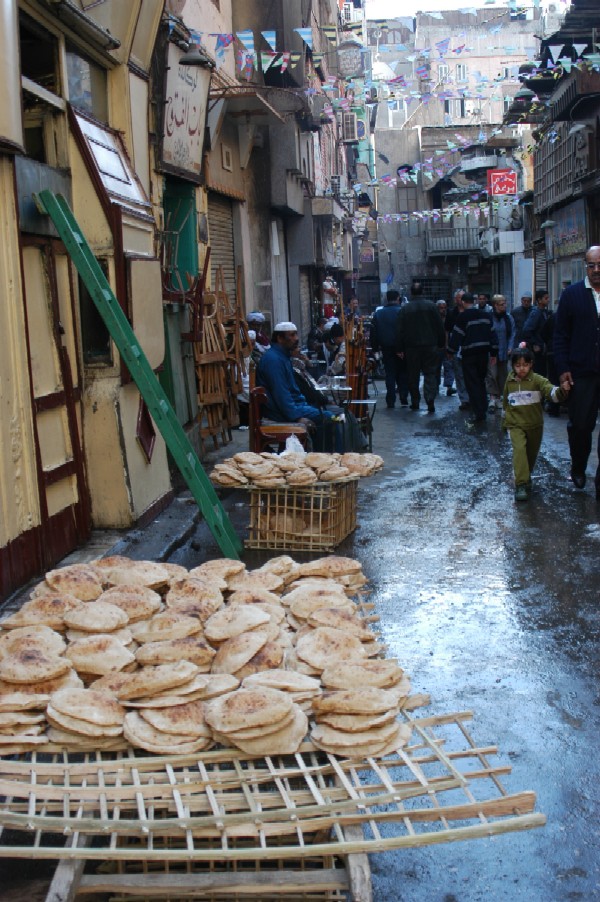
(573, 89)
(480, 161)
(440, 241)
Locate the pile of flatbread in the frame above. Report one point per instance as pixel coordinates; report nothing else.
(292, 468)
(172, 661)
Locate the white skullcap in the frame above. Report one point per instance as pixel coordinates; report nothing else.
(285, 327)
(251, 334)
(255, 317)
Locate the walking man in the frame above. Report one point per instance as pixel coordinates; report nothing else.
(533, 329)
(420, 335)
(478, 343)
(577, 359)
(383, 338)
(520, 314)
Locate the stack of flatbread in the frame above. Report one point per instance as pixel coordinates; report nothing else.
(301, 688)
(358, 723)
(32, 661)
(258, 720)
(85, 719)
(250, 652)
(169, 730)
(361, 464)
(22, 721)
(268, 470)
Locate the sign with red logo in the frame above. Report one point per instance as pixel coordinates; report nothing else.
(501, 181)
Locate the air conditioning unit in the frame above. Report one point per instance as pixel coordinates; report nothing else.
(338, 184)
(349, 128)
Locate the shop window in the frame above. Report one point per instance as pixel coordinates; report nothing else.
(87, 85)
(95, 337)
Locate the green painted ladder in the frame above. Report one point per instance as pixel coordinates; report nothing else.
(142, 374)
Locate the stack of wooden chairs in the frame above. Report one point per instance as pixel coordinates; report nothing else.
(220, 358)
(357, 375)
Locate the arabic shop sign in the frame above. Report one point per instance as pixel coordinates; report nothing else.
(185, 114)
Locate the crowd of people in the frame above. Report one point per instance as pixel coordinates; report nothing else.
(518, 363)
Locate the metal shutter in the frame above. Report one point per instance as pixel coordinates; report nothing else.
(220, 237)
(540, 267)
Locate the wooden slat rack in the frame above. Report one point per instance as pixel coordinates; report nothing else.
(222, 825)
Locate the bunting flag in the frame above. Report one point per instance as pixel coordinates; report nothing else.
(271, 39)
(442, 46)
(354, 27)
(267, 60)
(285, 60)
(247, 39)
(579, 48)
(317, 58)
(294, 59)
(330, 32)
(222, 43)
(306, 35)
(566, 62)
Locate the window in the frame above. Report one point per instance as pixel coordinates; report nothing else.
(87, 85)
(455, 109)
(347, 12)
(41, 91)
(95, 337)
(462, 72)
(443, 72)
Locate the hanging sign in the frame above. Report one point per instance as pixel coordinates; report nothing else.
(501, 181)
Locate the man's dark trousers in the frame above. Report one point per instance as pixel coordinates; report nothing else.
(422, 359)
(395, 376)
(583, 402)
(474, 370)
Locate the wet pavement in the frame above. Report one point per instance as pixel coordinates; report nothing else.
(490, 607)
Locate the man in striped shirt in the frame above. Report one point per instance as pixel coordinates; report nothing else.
(478, 344)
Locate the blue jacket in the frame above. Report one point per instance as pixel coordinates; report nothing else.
(577, 332)
(504, 327)
(286, 402)
(383, 327)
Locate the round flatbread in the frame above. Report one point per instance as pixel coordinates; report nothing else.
(41, 636)
(138, 602)
(99, 708)
(223, 568)
(254, 579)
(96, 617)
(99, 654)
(141, 734)
(331, 566)
(190, 648)
(137, 573)
(348, 675)
(369, 700)
(268, 657)
(81, 580)
(79, 726)
(232, 621)
(285, 741)
(186, 719)
(191, 589)
(284, 680)
(342, 618)
(323, 645)
(149, 680)
(166, 625)
(46, 610)
(234, 653)
(22, 701)
(247, 708)
(200, 609)
(31, 665)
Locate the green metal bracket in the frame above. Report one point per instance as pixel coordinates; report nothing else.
(142, 374)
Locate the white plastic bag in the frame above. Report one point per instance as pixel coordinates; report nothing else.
(292, 444)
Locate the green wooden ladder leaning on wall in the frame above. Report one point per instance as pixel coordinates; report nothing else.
(142, 374)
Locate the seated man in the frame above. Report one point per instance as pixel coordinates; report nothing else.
(275, 373)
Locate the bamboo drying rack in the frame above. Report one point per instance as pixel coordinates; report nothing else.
(221, 824)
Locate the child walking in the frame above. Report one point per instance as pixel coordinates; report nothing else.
(524, 394)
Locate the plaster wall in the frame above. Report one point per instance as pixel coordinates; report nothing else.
(19, 504)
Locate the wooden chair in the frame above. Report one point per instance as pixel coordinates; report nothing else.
(264, 437)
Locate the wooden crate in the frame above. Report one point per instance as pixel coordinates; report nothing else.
(312, 518)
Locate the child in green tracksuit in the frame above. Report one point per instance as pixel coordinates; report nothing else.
(524, 394)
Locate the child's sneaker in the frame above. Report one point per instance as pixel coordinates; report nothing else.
(521, 493)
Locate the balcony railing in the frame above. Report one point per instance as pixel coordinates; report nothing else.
(451, 240)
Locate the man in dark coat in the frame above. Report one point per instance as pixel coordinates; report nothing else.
(577, 359)
(520, 314)
(533, 329)
(478, 344)
(383, 339)
(420, 335)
